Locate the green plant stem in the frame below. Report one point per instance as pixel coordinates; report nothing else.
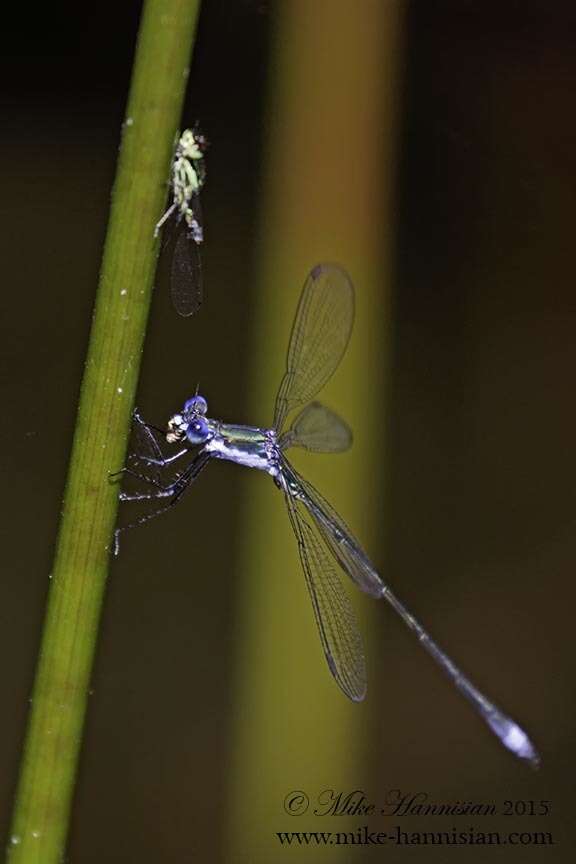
(54, 734)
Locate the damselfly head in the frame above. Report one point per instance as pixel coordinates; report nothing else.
(190, 423)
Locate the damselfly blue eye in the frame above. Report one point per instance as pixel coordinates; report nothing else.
(196, 405)
(197, 431)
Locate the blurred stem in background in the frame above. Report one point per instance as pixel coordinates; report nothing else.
(62, 680)
(326, 196)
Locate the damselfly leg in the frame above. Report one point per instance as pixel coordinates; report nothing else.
(156, 487)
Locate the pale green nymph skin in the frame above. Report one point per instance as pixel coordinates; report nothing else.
(187, 180)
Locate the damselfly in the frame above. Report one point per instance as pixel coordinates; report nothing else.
(188, 177)
(320, 334)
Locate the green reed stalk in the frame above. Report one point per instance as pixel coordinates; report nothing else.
(54, 734)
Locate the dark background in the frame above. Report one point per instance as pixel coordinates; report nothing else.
(480, 424)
